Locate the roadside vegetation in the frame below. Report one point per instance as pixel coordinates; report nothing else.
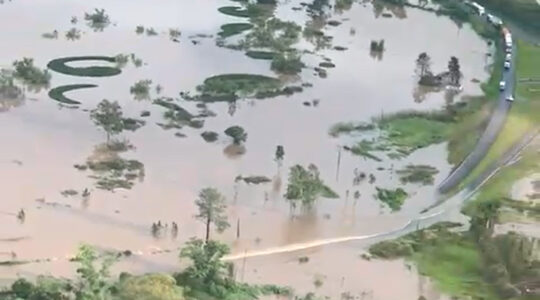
(473, 264)
(523, 117)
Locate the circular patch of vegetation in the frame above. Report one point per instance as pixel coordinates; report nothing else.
(58, 92)
(267, 55)
(231, 29)
(234, 11)
(60, 65)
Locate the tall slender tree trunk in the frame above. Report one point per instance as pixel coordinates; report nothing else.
(207, 230)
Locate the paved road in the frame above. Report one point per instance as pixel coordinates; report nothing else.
(495, 125)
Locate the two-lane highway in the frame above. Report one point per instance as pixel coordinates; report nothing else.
(498, 118)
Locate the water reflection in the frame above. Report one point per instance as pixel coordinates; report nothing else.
(110, 170)
(384, 9)
(420, 92)
(10, 95)
(234, 151)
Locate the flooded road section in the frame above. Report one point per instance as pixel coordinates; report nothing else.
(42, 141)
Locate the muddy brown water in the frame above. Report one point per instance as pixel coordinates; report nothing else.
(42, 141)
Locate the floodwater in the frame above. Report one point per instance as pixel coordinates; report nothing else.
(41, 141)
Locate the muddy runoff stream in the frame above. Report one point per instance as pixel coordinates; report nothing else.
(42, 141)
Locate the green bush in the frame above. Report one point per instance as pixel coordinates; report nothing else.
(287, 63)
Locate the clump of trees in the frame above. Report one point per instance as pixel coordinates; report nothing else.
(25, 71)
(237, 133)
(393, 198)
(305, 186)
(141, 89)
(98, 19)
(423, 69)
(289, 63)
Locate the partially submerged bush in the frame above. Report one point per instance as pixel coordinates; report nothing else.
(237, 133)
(141, 89)
(417, 174)
(305, 186)
(210, 136)
(349, 127)
(265, 55)
(287, 63)
(394, 199)
(97, 20)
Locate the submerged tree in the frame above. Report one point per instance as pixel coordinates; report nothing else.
(305, 186)
(212, 210)
(108, 115)
(423, 64)
(237, 133)
(454, 70)
(280, 153)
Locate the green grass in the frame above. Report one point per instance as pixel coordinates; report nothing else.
(393, 198)
(349, 127)
(523, 116)
(60, 65)
(455, 267)
(411, 133)
(228, 85)
(231, 29)
(234, 11)
(57, 93)
(265, 55)
(451, 259)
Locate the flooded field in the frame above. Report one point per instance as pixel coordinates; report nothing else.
(43, 140)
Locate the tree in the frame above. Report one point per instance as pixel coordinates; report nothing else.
(423, 64)
(280, 153)
(305, 186)
(93, 283)
(454, 70)
(206, 258)
(149, 287)
(108, 115)
(212, 208)
(237, 133)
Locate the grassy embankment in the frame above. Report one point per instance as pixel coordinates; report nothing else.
(524, 116)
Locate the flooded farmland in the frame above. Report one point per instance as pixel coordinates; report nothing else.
(42, 140)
